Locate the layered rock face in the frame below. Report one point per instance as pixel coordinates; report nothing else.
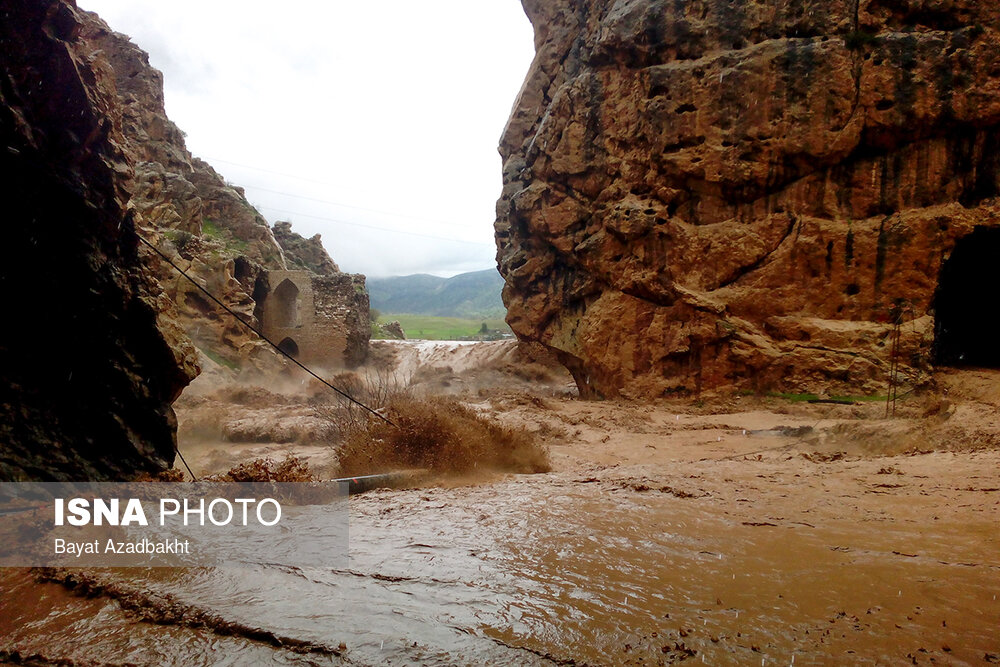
(89, 356)
(710, 193)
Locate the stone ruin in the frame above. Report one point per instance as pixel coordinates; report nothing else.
(316, 319)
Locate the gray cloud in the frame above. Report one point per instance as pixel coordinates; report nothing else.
(392, 106)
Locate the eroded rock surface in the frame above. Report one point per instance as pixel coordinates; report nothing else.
(302, 253)
(90, 357)
(708, 193)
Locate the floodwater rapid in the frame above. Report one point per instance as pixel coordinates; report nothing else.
(558, 568)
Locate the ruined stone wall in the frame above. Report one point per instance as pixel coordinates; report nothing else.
(712, 194)
(329, 328)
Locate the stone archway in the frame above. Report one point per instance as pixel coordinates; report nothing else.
(967, 303)
(289, 347)
(285, 308)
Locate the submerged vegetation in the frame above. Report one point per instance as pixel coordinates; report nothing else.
(289, 469)
(440, 435)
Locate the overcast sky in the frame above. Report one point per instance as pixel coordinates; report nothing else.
(374, 124)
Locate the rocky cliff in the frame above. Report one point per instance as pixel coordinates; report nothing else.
(89, 356)
(713, 193)
(203, 223)
(302, 253)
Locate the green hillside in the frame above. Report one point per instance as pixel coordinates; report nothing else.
(467, 295)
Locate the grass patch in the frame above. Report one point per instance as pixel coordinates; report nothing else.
(430, 327)
(233, 245)
(210, 229)
(793, 398)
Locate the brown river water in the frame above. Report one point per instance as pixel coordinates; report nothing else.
(570, 567)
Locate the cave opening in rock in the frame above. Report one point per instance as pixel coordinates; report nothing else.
(289, 347)
(285, 309)
(967, 303)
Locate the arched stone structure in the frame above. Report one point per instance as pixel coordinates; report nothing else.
(289, 347)
(319, 320)
(285, 309)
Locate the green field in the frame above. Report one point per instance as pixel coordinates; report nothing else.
(429, 327)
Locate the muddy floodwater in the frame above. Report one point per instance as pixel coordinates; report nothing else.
(739, 534)
(584, 566)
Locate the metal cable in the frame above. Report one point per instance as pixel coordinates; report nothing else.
(190, 472)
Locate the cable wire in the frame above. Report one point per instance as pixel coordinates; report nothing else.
(358, 224)
(190, 472)
(356, 208)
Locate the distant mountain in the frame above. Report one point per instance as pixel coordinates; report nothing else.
(471, 295)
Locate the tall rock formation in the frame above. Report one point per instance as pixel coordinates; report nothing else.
(93, 349)
(302, 253)
(89, 356)
(712, 193)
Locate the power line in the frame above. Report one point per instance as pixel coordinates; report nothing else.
(357, 208)
(190, 472)
(259, 333)
(381, 229)
(337, 220)
(268, 171)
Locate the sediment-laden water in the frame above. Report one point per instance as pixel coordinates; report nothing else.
(535, 569)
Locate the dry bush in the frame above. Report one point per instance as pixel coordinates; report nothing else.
(375, 389)
(548, 431)
(441, 435)
(291, 469)
(348, 382)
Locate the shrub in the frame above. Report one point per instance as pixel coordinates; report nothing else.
(169, 475)
(440, 435)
